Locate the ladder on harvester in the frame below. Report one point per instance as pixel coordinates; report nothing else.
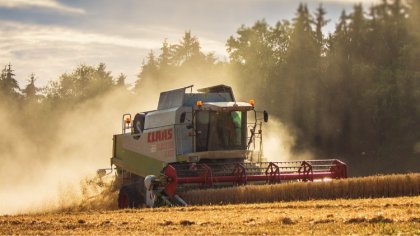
(257, 149)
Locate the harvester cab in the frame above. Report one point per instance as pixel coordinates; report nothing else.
(200, 139)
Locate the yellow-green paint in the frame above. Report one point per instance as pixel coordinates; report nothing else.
(133, 162)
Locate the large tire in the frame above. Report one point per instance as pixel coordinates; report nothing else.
(129, 198)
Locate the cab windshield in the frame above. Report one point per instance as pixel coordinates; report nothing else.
(220, 130)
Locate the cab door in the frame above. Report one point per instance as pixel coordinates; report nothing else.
(184, 133)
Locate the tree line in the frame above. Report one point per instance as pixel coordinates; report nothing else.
(354, 93)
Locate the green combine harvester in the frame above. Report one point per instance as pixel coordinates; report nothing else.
(195, 140)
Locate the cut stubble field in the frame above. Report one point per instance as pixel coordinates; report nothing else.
(351, 216)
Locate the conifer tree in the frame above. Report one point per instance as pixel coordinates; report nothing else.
(188, 50)
(320, 22)
(164, 59)
(9, 86)
(148, 73)
(30, 91)
(120, 83)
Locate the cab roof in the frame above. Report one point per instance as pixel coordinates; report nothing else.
(180, 97)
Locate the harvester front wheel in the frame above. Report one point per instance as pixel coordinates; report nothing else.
(127, 198)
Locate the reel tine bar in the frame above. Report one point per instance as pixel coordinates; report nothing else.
(273, 172)
(240, 173)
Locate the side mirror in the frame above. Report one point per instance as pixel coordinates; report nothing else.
(265, 116)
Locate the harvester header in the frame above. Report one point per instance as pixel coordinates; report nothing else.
(203, 139)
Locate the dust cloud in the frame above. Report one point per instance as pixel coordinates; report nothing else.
(278, 142)
(36, 177)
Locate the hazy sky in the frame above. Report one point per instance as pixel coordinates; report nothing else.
(51, 37)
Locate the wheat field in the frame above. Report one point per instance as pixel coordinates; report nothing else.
(382, 216)
(363, 187)
(369, 205)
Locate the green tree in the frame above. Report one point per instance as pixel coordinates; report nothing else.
(84, 83)
(253, 56)
(177, 65)
(120, 82)
(187, 51)
(320, 22)
(9, 86)
(100, 82)
(165, 57)
(148, 75)
(30, 92)
(303, 74)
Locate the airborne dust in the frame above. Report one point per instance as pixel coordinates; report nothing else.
(36, 177)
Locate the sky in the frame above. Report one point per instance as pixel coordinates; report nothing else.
(52, 37)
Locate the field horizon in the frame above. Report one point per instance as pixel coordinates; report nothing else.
(319, 217)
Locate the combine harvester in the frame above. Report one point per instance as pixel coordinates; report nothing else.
(203, 139)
